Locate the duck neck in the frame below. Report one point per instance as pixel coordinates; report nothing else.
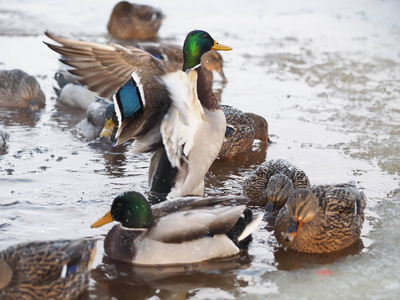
(204, 92)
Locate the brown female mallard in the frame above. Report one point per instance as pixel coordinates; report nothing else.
(324, 218)
(131, 21)
(272, 182)
(46, 270)
(241, 130)
(20, 90)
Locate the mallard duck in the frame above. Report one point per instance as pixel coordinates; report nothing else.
(180, 231)
(255, 185)
(20, 90)
(177, 116)
(76, 95)
(72, 93)
(46, 270)
(241, 130)
(325, 218)
(172, 58)
(93, 123)
(134, 22)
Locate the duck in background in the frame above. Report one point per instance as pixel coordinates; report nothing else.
(20, 90)
(46, 269)
(241, 130)
(266, 187)
(72, 93)
(181, 231)
(320, 219)
(4, 137)
(129, 21)
(177, 117)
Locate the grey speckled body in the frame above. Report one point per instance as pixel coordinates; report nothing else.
(329, 218)
(255, 186)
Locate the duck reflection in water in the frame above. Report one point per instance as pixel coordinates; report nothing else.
(126, 281)
(288, 260)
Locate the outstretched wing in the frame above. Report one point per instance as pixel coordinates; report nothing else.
(104, 68)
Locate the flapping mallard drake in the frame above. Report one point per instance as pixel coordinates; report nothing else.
(325, 218)
(46, 270)
(241, 130)
(175, 114)
(256, 188)
(131, 21)
(20, 90)
(180, 231)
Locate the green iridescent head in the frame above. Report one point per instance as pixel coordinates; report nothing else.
(197, 43)
(131, 209)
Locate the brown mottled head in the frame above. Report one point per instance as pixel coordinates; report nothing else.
(303, 207)
(279, 189)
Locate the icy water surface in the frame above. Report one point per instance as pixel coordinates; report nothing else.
(326, 76)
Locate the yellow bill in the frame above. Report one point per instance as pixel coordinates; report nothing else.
(102, 221)
(220, 47)
(108, 129)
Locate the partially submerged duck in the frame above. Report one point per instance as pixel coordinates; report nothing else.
(178, 116)
(93, 123)
(46, 270)
(325, 218)
(257, 186)
(241, 131)
(181, 231)
(20, 90)
(131, 21)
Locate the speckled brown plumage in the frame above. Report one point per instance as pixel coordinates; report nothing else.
(19, 90)
(255, 186)
(46, 270)
(133, 21)
(329, 218)
(242, 129)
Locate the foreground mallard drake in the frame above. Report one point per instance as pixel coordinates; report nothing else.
(175, 115)
(180, 231)
(325, 218)
(241, 130)
(131, 21)
(257, 186)
(46, 270)
(20, 90)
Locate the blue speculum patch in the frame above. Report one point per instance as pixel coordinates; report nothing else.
(129, 99)
(229, 131)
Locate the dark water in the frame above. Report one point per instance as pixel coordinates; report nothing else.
(325, 76)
